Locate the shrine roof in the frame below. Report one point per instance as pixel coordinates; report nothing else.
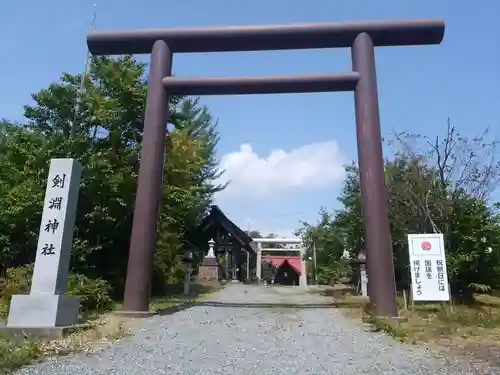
(215, 221)
(278, 260)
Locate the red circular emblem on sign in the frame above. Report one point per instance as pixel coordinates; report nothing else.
(426, 245)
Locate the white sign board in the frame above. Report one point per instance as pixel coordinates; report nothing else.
(429, 277)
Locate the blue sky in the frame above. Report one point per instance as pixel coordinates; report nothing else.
(418, 86)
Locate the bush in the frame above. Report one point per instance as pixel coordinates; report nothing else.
(328, 274)
(164, 278)
(16, 281)
(178, 273)
(94, 294)
(15, 353)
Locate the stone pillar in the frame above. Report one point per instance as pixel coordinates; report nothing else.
(258, 265)
(363, 277)
(235, 265)
(47, 305)
(227, 260)
(363, 273)
(303, 270)
(248, 265)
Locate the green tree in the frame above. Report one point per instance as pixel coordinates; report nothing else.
(104, 135)
(190, 171)
(328, 241)
(451, 182)
(441, 186)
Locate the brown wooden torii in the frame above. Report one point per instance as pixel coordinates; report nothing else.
(361, 37)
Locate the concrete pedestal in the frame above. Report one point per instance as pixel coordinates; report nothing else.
(208, 270)
(43, 311)
(46, 333)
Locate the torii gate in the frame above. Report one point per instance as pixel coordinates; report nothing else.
(360, 37)
(284, 241)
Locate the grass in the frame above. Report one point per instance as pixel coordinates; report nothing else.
(467, 329)
(103, 328)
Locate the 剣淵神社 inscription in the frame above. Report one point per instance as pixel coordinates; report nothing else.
(56, 228)
(47, 305)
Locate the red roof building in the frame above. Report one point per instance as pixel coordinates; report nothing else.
(279, 260)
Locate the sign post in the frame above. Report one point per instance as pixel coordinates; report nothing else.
(429, 277)
(47, 305)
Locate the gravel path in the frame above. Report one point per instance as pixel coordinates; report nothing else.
(254, 340)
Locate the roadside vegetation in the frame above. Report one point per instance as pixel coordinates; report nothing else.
(437, 184)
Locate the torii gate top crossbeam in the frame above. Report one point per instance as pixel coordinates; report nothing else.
(267, 37)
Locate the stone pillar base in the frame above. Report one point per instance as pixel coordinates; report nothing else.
(208, 270)
(47, 333)
(43, 311)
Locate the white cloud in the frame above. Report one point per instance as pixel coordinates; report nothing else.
(312, 166)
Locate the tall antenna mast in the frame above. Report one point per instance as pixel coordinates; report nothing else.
(81, 89)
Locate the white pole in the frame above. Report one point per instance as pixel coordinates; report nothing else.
(87, 54)
(78, 99)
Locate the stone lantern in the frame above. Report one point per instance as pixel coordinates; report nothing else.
(211, 245)
(208, 270)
